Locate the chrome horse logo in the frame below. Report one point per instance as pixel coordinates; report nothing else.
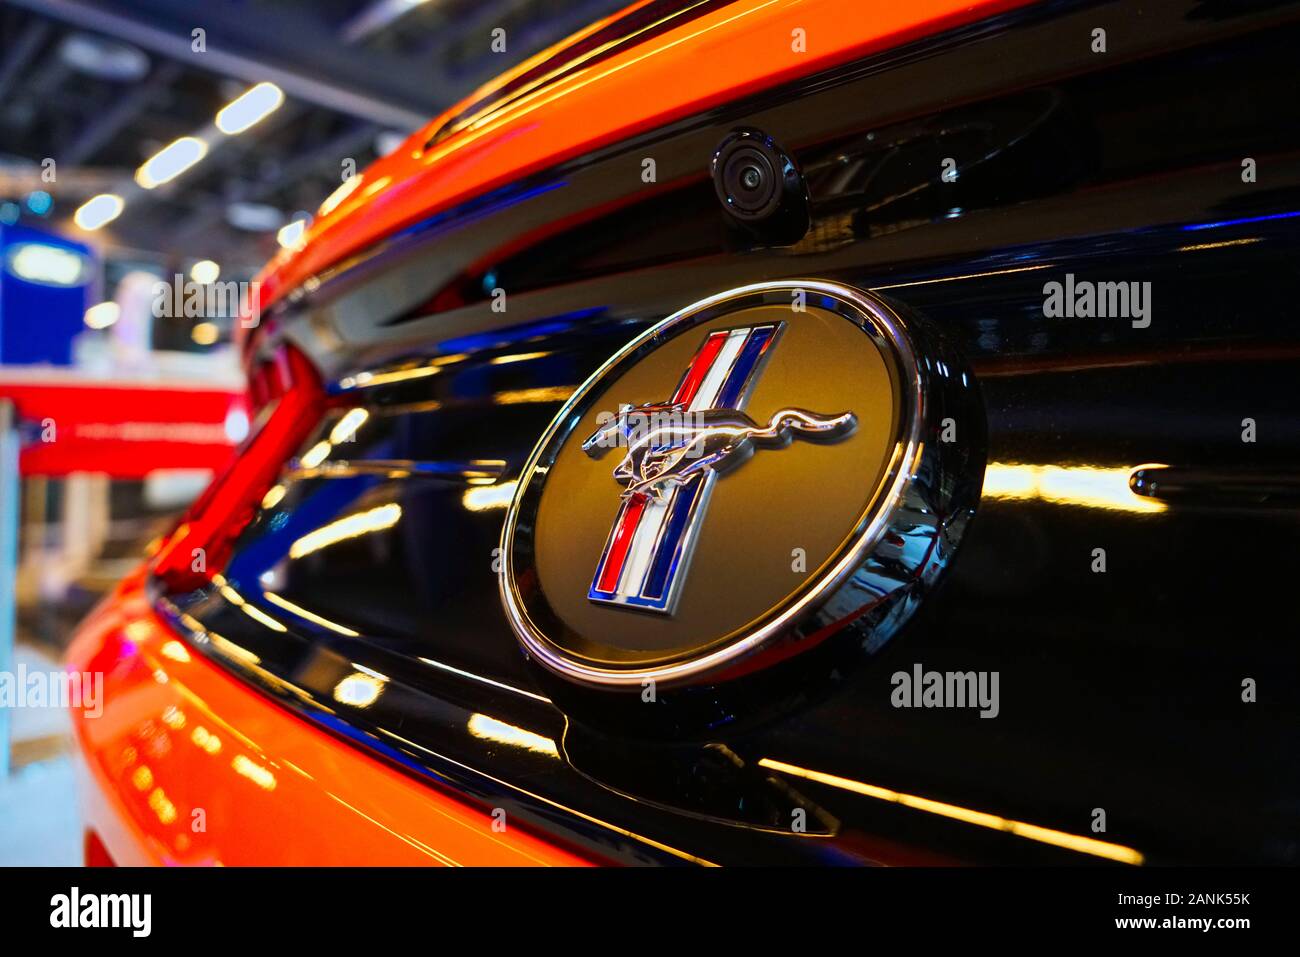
(674, 452)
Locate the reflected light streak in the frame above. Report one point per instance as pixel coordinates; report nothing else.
(259, 775)
(175, 651)
(973, 275)
(432, 367)
(482, 678)
(551, 393)
(252, 611)
(518, 357)
(1073, 842)
(363, 523)
(205, 740)
(315, 455)
(485, 497)
(490, 729)
(359, 690)
(346, 428)
(272, 498)
(232, 650)
(1083, 485)
(162, 806)
(1219, 245)
(303, 613)
(342, 192)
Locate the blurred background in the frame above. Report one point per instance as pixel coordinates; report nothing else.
(153, 155)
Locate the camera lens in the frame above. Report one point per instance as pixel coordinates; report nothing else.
(749, 181)
(760, 186)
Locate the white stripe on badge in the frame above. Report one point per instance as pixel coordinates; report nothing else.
(712, 383)
(641, 552)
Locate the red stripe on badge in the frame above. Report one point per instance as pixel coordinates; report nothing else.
(628, 519)
(700, 367)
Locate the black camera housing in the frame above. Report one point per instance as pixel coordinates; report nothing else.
(760, 186)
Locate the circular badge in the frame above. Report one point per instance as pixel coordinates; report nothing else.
(742, 480)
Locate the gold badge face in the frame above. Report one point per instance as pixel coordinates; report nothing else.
(714, 482)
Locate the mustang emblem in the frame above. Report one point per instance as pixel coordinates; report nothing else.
(667, 456)
(674, 451)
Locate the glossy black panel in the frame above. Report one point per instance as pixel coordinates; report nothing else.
(1119, 690)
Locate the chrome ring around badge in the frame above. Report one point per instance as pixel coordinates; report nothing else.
(740, 482)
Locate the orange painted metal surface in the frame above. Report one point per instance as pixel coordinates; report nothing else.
(733, 51)
(186, 765)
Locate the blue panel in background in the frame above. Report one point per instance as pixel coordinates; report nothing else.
(45, 285)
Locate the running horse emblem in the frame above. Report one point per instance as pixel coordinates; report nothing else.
(668, 456)
(674, 451)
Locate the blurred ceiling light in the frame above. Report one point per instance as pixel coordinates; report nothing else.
(254, 106)
(9, 213)
(46, 264)
(40, 202)
(103, 58)
(103, 315)
(170, 161)
(99, 211)
(374, 17)
(292, 234)
(205, 271)
(387, 141)
(205, 333)
(254, 217)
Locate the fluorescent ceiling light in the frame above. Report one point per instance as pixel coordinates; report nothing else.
(46, 264)
(250, 108)
(103, 315)
(205, 333)
(170, 161)
(254, 217)
(205, 271)
(99, 211)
